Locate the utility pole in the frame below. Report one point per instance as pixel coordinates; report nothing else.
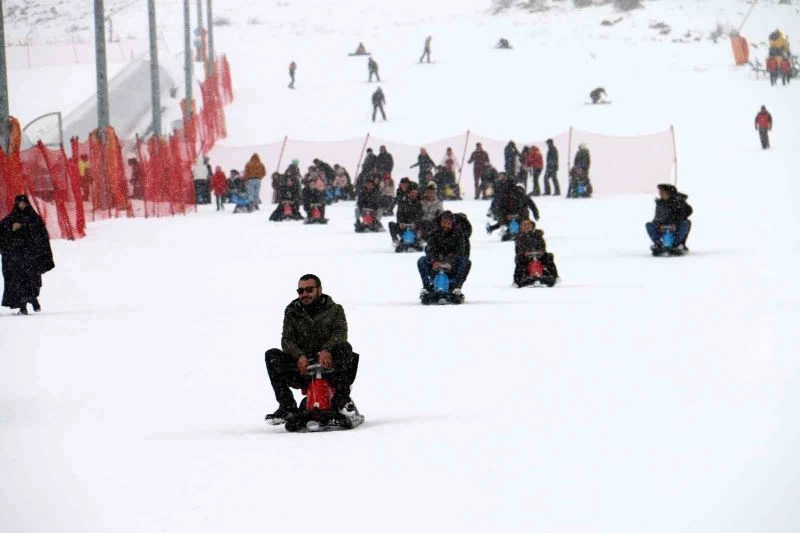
(187, 61)
(4, 107)
(211, 56)
(155, 85)
(103, 113)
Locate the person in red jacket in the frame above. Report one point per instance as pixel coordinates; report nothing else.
(764, 125)
(786, 70)
(219, 183)
(773, 69)
(536, 163)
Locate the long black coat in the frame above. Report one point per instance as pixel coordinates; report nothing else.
(552, 158)
(425, 164)
(384, 163)
(26, 256)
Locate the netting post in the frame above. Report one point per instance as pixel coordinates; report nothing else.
(280, 156)
(674, 156)
(463, 157)
(569, 150)
(361, 155)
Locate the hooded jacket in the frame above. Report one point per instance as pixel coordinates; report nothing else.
(254, 168)
(673, 211)
(309, 331)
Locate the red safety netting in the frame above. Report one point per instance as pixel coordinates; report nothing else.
(105, 177)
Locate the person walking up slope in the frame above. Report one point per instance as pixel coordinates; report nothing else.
(378, 101)
(426, 53)
(372, 67)
(292, 69)
(763, 126)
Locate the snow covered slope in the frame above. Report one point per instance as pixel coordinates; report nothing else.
(640, 395)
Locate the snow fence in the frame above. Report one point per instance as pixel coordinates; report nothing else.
(620, 165)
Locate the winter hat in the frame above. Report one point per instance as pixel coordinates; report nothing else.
(296, 162)
(448, 215)
(431, 185)
(21, 198)
(549, 141)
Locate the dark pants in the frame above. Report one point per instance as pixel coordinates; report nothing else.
(459, 272)
(521, 268)
(681, 232)
(374, 73)
(550, 174)
(786, 77)
(426, 54)
(535, 190)
(763, 134)
(375, 109)
(220, 202)
(477, 177)
(291, 84)
(773, 77)
(284, 376)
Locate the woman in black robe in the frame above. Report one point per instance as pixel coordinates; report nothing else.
(25, 246)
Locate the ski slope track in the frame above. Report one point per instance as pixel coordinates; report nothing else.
(640, 395)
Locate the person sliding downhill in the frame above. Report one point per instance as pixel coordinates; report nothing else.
(314, 331)
(672, 214)
(446, 249)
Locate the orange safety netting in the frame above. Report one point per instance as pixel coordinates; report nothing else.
(105, 177)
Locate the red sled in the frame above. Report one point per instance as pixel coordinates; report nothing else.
(287, 209)
(316, 411)
(535, 269)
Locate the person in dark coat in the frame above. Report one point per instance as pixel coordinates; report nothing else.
(314, 331)
(579, 174)
(330, 173)
(384, 162)
(409, 211)
(369, 199)
(513, 204)
(528, 244)
(25, 247)
(424, 163)
(764, 126)
(378, 101)
(292, 70)
(488, 182)
(511, 155)
(551, 170)
(288, 193)
(446, 245)
(426, 53)
(372, 67)
(672, 212)
(597, 95)
(479, 160)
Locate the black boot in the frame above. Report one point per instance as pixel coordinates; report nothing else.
(280, 416)
(36, 306)
(23, 310)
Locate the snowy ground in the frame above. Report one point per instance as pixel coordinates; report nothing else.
(640, 395)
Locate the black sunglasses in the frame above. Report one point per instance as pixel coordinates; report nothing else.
(308, 290)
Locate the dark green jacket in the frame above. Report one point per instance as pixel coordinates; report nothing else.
(303, 335)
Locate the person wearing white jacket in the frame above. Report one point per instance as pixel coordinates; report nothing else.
(450, 156)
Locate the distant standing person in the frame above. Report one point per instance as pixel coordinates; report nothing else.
(292, 70)
(764, 125)
(551, 169)
(25, 246)
(479, 160)
(219, 183)
(426, 53)
(372, 67)
(254, 172)
(378, 101)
